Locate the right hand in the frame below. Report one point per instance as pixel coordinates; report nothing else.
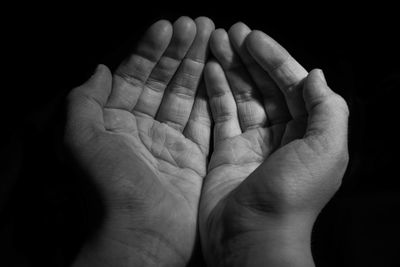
(280, 151)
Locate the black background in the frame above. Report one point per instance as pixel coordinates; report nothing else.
(48, 50)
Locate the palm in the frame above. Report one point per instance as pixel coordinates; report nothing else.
(253, 124)
(173, 167)
(235, 158)
(149, 149)
(265, 150)
(270, 140)
(175, 162)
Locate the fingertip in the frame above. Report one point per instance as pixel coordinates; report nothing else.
(318, 90)
(100, 72)
(185, 24)
(316, 77)
(205, 28)
(238, 28)
(258, 39)
(219, 33)
(239, 24)
(267, 52)
(218, 36)
(321, 75)
(162, 23)
(257, 34)
(237, 36)
(102, 76)
(204, 24)
(157, 36)
(315, 88)
(200, 47)
(162, 28)
(98, 86)
(221, 47)
(184, 19)
(101, 68)
(253, 39)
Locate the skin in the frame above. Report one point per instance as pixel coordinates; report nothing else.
(280, 152)
(142, 135)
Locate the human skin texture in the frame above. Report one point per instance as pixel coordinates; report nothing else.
(280, 152)
(142, 135)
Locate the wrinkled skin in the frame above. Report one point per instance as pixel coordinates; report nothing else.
(142, 135)
(280, 146)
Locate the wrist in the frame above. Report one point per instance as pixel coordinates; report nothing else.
(123, 248)
(279, 242)
(278, 246)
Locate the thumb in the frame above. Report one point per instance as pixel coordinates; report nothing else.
(85, 103)
(98, 86)
(327, 114)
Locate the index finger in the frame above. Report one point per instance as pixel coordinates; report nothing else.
(282, 67)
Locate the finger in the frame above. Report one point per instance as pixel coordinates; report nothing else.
(283, 69)
(198, 127)
(250, 109)
(86, 102)
(133, 72)
(184, 31)
(179, 96)
(222, 103)
(274, 101)
(328, 114)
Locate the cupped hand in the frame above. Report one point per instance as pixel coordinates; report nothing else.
(280, 152)
(142, 134)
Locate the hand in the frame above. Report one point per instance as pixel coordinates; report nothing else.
(143, 137)
(280, 152)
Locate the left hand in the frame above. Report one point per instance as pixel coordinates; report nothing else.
(142, 136)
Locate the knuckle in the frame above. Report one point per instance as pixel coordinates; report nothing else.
(244, 96)
(185, 82)
(155, 85)
(223, 117)
(134, 80)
